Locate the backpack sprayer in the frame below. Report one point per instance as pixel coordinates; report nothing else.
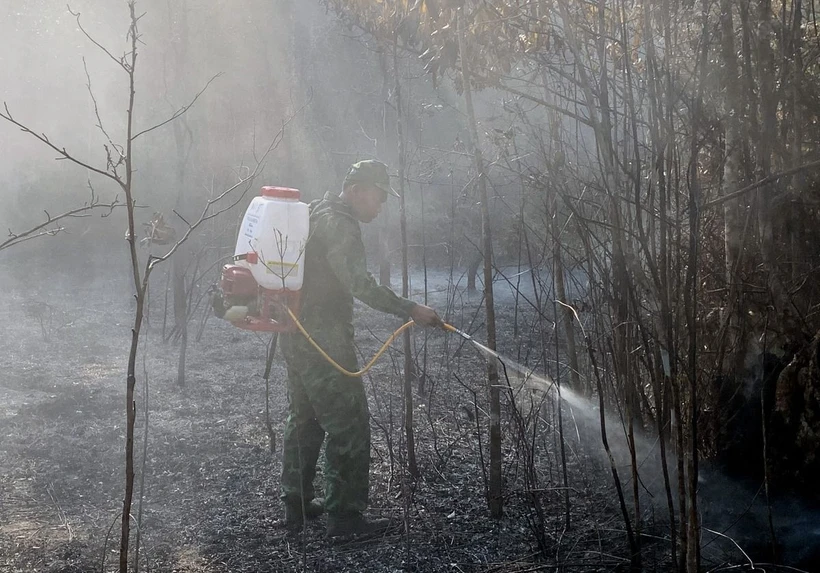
(260, 289)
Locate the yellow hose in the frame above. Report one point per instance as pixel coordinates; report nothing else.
(335, 364)
(363, 371)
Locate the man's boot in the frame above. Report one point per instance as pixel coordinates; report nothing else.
(296, 513)
(350, 524)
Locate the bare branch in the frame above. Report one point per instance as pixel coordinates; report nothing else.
(575, 313)
(540, 101)
(181, 217)
(180, 111)
(116, 147)
(207, 214)
(41, 230)
(16, 240)
(93, 41)
(762, 182)
(60, 150)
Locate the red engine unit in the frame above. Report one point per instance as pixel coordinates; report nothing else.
(238, 282)
(267, 309)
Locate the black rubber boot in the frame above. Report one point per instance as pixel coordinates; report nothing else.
(296, 514)
(351, 524)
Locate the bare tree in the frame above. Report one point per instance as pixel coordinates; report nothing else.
(119, 169)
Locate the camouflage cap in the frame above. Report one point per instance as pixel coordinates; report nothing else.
(372, 172)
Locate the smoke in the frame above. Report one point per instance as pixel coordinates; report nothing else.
(48, 65)
(735, 514)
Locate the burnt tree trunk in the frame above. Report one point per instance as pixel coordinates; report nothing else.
(472, 270)
(409, 370)
(495, 494)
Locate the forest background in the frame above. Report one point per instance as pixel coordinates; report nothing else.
(659, 158)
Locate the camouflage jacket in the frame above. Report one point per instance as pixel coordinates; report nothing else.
(336, 268)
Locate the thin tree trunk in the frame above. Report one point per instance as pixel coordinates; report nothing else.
(691, 305)
(795, 84)
(423, 376)
(274, 340)
(733, 180)
(683, 498)
(180, 313)
(131, 375)
(183, 139)
(409, 370)
(599, 112)
(495, 493)
(385, 228)
(768, 108)
(605, 441)
(472, 271)
(663, 366)
(567, 316)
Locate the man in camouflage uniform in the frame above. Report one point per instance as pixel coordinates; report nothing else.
(322, 401)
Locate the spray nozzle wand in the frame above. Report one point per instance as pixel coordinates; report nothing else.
(461, 333)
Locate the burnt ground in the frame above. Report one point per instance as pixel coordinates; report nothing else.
(210, 501)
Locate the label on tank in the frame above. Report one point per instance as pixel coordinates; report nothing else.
(281, 269)
(250, 223)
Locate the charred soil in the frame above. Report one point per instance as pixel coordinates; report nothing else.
(210, 493)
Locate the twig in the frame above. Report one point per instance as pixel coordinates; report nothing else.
(739, 548)
(37, 230)
(205, 215)
(60, 150)
(762, 182)
(117, 148)
(119, 62)
(60, 513)
(107, 537)
(180, 111)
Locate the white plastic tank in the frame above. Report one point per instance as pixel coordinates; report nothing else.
(273, 236)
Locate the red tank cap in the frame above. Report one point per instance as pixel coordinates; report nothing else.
(280, 192)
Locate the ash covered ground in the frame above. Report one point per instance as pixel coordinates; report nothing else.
(210, 490)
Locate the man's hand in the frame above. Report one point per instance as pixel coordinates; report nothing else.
(425, 316)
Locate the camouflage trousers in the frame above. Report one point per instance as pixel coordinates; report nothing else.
(325, 403)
